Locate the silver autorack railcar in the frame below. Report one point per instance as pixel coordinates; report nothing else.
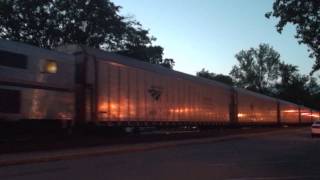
(81, 85)
(118, 89)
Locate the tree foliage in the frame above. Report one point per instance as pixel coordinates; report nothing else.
(257, 68)
(152, 54)
(305, 15)
(300, 89)
(216, 77)
(292, 85)
(287, 73)
(94, 23)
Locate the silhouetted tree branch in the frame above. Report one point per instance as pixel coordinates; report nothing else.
(305, 15)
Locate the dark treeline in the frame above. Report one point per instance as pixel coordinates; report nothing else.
(216, 77)
(93, 23)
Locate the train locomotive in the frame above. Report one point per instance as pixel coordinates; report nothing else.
(74, 85)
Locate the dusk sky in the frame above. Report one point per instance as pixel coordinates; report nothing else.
(208, 33)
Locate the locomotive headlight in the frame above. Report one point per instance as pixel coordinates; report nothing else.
(50, 66)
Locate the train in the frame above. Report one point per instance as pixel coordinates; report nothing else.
(74, 85)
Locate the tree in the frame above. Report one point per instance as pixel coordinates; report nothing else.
(305, 15)
(152, 54)
(297, 88)
(257, 69)
(292, 85)
(313, 86)
(168, 63)
(313, 90)
(216, 77)
(94, 23)
(287, 73)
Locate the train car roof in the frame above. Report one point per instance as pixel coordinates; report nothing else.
(287, 102)
(113, 57)
(31, 50)
(255, 94)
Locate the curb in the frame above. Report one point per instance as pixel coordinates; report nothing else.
(41, 157)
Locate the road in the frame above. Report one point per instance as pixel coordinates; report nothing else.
(289, 154)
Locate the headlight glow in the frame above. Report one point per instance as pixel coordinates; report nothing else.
(51, 67)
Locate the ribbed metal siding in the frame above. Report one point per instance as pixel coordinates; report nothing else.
(130, 94)
(254, 108)
(289, 112)
(306, 115)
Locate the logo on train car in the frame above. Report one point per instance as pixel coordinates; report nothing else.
(155, 92)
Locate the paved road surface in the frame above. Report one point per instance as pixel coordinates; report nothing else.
(290, 154)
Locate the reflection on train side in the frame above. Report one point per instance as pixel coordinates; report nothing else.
(125, 111)
(192, 111)
(252, 117)
(240, 115)
(310, 115)
(114, 110)
(291, 111)
(44, 104)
